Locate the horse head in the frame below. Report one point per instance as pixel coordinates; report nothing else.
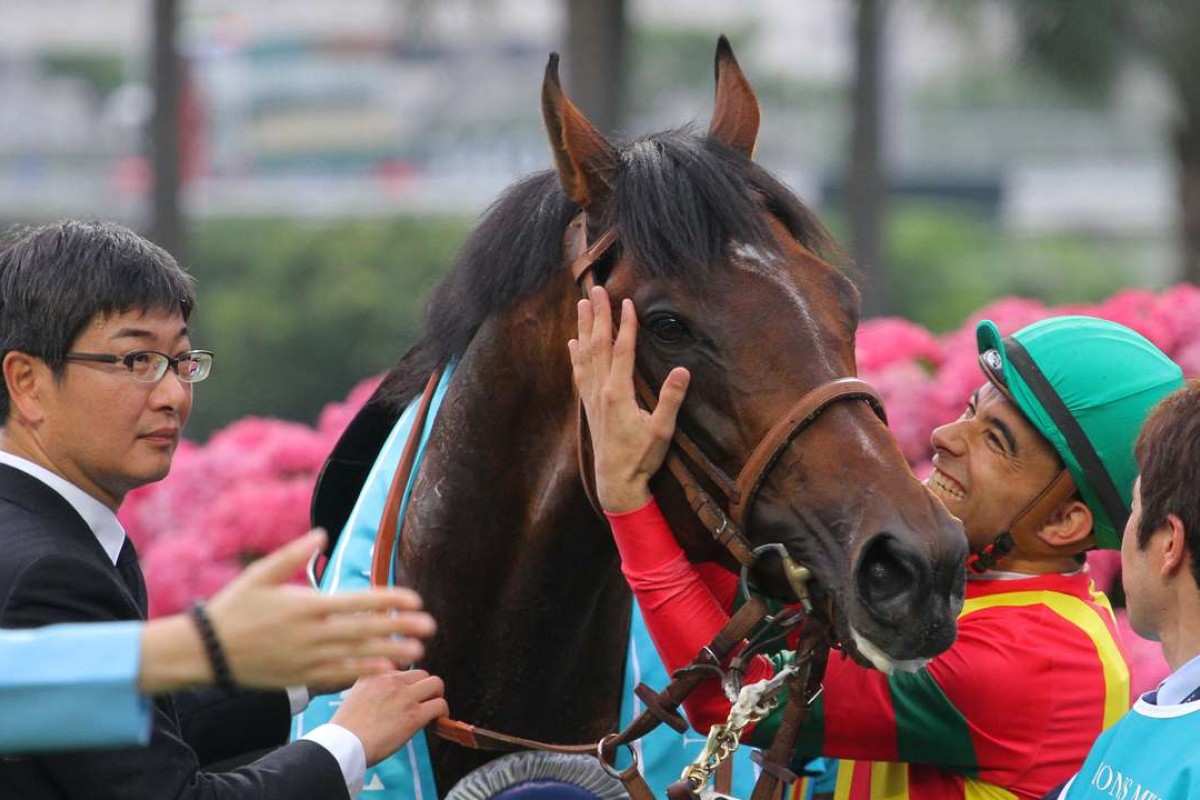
(729, 274)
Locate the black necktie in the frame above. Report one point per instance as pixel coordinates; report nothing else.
(131, 573)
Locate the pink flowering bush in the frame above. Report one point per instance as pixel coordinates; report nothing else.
(247, 490)
(241, 495)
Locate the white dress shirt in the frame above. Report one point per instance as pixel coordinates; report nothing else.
(1179, 684)
(103, 522)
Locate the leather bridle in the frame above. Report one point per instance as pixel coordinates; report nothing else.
(726, 522)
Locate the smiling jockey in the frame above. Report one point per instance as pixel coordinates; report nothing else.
(1039, 469)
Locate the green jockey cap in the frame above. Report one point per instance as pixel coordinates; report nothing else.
(1086, 385)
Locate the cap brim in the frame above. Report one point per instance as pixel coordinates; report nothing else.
(988, 339)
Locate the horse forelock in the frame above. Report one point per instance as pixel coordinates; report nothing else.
(679, 202)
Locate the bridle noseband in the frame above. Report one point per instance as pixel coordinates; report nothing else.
(725, 522)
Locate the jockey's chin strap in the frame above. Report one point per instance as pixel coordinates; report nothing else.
(1025, 525)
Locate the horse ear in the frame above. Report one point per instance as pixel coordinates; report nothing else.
(735, 116)
(586, 162)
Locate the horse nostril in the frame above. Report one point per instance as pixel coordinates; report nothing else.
(885, 575)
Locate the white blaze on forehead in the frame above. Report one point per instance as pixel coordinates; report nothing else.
(769, 266)
(880, 660)
(757, 261)
(756, 258)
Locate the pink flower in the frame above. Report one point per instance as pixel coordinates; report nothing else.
(140, 511)
(923, 469)
(180, 569)
(1138, 309)
(336, 416)
(953, 385)
(905, 388)
(1188, 358)
(1177, 309)
(253, 518)
(1147, 667)
(1010, 314)
(1105, 568)
(884, 341)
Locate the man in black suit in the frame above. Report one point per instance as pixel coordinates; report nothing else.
(98, 369)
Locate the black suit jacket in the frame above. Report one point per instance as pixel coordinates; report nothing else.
(54, 570)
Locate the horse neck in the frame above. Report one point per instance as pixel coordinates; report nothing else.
(500, 540)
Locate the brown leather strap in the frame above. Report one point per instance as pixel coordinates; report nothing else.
(579, 255)
(710, 514)
(1034, 515)
(581, 269)
(385, 536)
(682, 790)
(723, 483)
(685, 680)
(476, 738)
(723, 778)
(665, 715)
(706, 509)
(635, 784)
(802, 690)
(585, 461)
(729, 637)
(801, 415)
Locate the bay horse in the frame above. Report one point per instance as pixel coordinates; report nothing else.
(726, 267)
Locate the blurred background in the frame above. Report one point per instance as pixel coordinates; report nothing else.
(315, 164)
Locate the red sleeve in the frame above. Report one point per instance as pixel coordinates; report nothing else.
(684, 605)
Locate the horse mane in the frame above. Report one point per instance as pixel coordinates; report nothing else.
(678, 199)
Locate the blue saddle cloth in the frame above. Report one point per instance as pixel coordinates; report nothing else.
(407, 775)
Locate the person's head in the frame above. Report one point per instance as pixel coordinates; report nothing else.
(98, 290)
(1045, 450)
(1163, 531)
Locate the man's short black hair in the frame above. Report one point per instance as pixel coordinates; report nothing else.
(1168, 458)
(57, 278)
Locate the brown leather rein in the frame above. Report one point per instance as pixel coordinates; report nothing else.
(724, 523)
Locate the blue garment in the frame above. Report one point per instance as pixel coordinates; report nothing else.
(407, 775)
(1150, 754)
(71, 687)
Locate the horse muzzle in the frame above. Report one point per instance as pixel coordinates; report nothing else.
(904, 607)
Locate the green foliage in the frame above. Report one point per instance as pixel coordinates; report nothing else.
(665, 60)
(947, 263)
(982, 86)
(299, 312)
(103, 72)
(1080, 42)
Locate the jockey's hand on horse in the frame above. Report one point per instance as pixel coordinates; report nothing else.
(629, 442)
(385, 711)
(277, 635)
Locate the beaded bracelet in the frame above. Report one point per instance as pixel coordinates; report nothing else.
(212, 647)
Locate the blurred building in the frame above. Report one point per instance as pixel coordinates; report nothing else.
(362, 107)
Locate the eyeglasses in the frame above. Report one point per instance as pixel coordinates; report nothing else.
(149, 366)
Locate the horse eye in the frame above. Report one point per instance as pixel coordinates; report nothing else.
(667, 329)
